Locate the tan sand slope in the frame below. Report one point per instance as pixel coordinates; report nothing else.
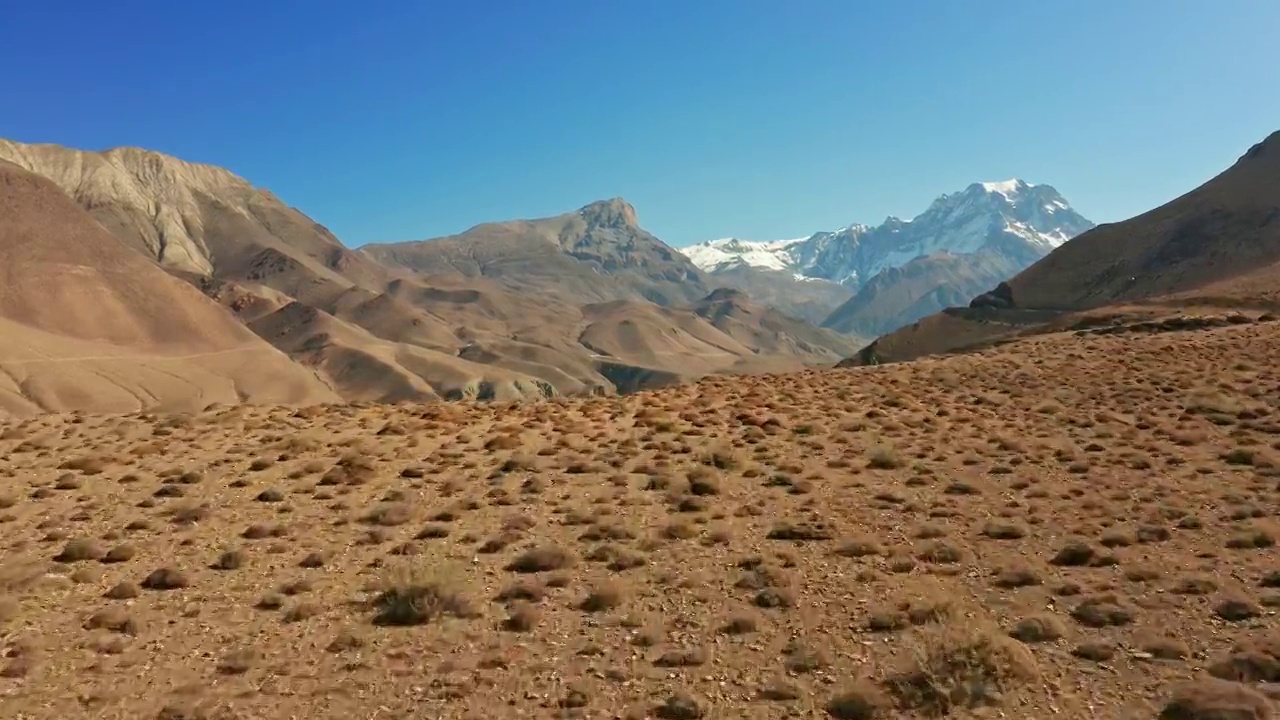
(74, 301)
(42, 372)
(655, 337)
(769, 332)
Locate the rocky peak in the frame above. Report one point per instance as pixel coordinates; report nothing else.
(612, 213)
(726, 295)
(156, 195)
(1271, 145)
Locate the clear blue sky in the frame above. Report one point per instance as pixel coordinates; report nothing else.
(406, 119)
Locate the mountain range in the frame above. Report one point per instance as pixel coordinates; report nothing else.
(868, 280)
(1215, 247)
(134, 280)
(217, 291)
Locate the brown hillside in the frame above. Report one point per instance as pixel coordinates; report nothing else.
(655, 337)
(195, 218)
(900, 296)
(812, 300)
(769, 331)
(90, 324)
(507, 296)
(723, 332)
(596, 254)
(370, 369)
(1216, 235)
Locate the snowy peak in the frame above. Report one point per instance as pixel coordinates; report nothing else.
(1009, 189)
(1037, 214)
(1019, 219)
(732, 252)
(1019, 193)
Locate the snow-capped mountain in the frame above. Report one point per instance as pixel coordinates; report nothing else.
(717, 254)
(1024, 220)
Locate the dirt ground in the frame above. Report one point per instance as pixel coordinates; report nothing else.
(1073, 526)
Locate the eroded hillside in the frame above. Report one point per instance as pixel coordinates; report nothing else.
(497, 313)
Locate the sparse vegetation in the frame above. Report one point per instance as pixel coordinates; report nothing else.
(419, 594)
(959, 666)
(664, 559)
(883, 457)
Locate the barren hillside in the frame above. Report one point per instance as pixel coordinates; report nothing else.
(898, 296)
(89, 324)
(1224, 230)
(498, 312)
(597, 254)
(1071, 526)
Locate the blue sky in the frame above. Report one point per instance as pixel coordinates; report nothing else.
(407, 119)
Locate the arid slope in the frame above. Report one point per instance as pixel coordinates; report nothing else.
(927, 284)
(597, 254)
(811, 299)
(497, 312)
(1069, 526)
(1224, 231)
(89, 324)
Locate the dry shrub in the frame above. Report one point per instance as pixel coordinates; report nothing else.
(236, 662)
(603, 597)
(523, 617)
(389, 515)
(190, 513)
(960, 664)
(229, 560)
(861, 700)
(120, 553)
(859, 547)
(88, 464)
(541, 559)
(722, 458)
(740, 624)
(1208, 401)
(1042, 627)
(300, 612)
(883, 457)
(419, 594)
(1107, 609)
(1213, 699)
(352, 469)
(1255, 659)
(503, 442)
(166, 578)
(681, 705)
(703, 481)
(79, 549)
(114, 619)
